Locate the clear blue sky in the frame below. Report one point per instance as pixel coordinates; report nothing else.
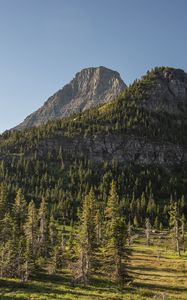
(43, 43)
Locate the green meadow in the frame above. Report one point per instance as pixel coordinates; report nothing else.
(156, 271)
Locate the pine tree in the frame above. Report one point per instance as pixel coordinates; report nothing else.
(8, 252)
(55, 259)
(98, 226)
(17, 241)
(53, 232)
(135, 221)
(87, 239)
(42, 216)
(174, 224)
(8, 267)
(115, 237)
(71, 252)
(130, 233)
(31, 234)
(7, 228)
(3, 201)
(151, 208)
(147, 230)
(112, 208)
(19, 211)
(54, 247)
(183, 223)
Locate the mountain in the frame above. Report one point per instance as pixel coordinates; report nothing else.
(89, 88)
(112, 172)
(139, 139)
(167, 91)
(145, 125)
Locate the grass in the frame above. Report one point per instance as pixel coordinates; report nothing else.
(158, 273)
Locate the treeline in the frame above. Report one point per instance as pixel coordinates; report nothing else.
(143, 191)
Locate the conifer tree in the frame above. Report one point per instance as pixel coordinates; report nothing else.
(21, 261)
(19, 211)
(112, 207)
(71, 252)
(98, 226)
(183, 223)
(147, 230)
(174, 224)
(151, 208)
(17, 238)
(8, 267)
(55, 259)
(135, 221)
(115, 237)
(3, 200)
(87, 239)
(8, 252)
(7, 228)
(54, 247)
(42, 216)
(53, 232)
(31, 235)
(130, 233)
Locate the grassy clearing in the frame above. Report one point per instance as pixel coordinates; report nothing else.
(158, 273)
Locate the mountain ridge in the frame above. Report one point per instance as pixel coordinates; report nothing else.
(90, 87)
(141, 146)
(145, 125)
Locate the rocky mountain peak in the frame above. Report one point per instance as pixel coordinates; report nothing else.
(89, 87)
(167, 90)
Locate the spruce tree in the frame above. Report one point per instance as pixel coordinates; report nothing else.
(115, 238)
(19, 211)
(175, 224)
(147, 231)
(8, 251)
(3, 200)
(54, 247)
(55, 259)
(8, 266)
(183, 225)
(42, 217)
(87, 239)
(98, 226)
(18, 242)
(130, 233)
(31, 235)
(53, 232)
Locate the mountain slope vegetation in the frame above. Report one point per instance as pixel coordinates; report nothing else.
(141, 146)
(75, 193)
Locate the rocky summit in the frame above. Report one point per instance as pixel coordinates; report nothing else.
(89, 88)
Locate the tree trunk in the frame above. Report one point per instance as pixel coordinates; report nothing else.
(177, 237)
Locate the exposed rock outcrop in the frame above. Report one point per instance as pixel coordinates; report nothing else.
(89, 88)
(168, 92)
(115, 147)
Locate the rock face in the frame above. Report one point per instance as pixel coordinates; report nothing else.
(100, 148)
(89, 88)
(169, 92)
